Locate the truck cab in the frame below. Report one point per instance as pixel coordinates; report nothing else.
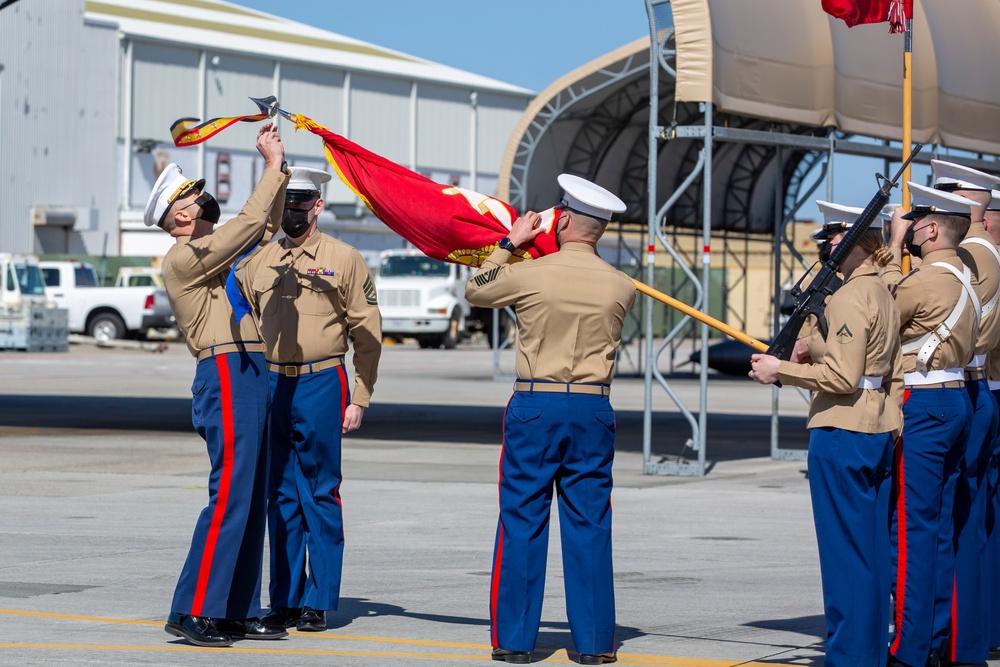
(28, 320)
(422, 298)
(20, 281)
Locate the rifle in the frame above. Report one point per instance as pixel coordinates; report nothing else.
(812, 300)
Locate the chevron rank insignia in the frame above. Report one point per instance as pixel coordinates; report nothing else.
(486, 278)
(370, 295)
(844, 334)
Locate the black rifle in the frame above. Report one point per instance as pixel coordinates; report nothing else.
(812, 300)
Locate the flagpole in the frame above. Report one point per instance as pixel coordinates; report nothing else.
(907, 116)
(700, 316)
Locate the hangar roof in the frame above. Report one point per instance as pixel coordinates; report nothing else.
(226, 26)
(777, 66)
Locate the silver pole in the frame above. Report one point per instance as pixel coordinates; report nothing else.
(701, 438)
(651, 221)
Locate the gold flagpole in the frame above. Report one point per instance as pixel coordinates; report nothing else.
(700, 316)
(907, 116)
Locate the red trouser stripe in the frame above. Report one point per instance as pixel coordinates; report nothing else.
(343, 412)
(495, 589)
(953, 640)
(900, 536)
(343, 392)
(498, 556)
(222, 499)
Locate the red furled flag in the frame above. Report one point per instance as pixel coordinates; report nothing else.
(856, 12)
(445, 222)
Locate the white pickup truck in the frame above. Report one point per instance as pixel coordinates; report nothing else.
(424, 299)
(106, 313)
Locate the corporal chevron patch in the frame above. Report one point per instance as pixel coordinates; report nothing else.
(370, 296)
(486, 278)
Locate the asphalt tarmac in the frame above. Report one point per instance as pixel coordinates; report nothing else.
(102, 478)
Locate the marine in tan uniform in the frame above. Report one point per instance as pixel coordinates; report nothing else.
(856, 376)
(991, 223)
(968, 641)
(939, 311)
(559, 428)
(311, 293)
(218, 593)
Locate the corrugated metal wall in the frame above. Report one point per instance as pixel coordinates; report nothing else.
(164, 88)
(57, 132)
(497, 116)
(314, 92)
(380, 116)
(444, 122)
(230, 80)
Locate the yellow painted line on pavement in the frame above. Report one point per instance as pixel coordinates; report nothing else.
(482, 649)
(75, 617)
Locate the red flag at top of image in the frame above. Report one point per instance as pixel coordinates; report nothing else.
(856, 12)
(445, 222)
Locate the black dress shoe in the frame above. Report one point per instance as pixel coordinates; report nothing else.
(312, 620)
(282, 617)
(995, 653)
(597, 658)
(251, 628)
(511, 657)
(198, 630)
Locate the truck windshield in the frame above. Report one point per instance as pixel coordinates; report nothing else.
(29, 278)
(413, 265)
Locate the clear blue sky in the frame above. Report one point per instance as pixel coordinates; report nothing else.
(528, 43)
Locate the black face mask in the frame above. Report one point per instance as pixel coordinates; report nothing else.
(914, 249)
(824, 251)
(295, 222)
(210, 211)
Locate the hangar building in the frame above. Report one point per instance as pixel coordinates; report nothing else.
(90, 88)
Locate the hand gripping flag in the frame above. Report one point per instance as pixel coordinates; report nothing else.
(856, 12)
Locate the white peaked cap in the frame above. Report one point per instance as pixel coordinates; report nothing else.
(305, 178)
(951, 176)
(589, 198)
(838, 218)
(925, 200)
(168, 187)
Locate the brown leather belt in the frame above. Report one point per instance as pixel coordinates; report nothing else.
(951, 384)
(547, 387)
(228, 348)
(295, 370)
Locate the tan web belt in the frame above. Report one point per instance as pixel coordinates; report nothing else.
(295, 370)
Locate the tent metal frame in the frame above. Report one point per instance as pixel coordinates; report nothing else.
(788, 154)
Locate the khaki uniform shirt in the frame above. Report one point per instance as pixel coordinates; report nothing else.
(862, 340)
(925, 298)
(570, 307)
(195, 270)
(309, 298)
(987, 271)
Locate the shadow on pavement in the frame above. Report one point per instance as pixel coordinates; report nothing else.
(552, 637)
(730, 436)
